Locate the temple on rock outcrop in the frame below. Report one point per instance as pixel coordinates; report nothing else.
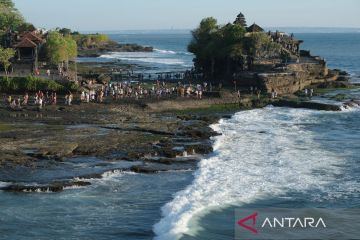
(250, 56)
(293, 70)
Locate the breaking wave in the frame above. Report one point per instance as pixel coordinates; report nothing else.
(145, 58)
(261, 153)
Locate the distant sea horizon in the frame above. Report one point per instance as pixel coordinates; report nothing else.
(185, 31)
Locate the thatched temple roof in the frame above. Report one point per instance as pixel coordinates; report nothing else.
(255, 28)
(26, 43)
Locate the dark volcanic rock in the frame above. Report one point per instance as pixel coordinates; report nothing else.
(308, 105)
(337, 84)
(168, 161)
(111, 47)
(197, 133)
(150, 168)
(54, 187)
(209, 119)
(199, 148)
(352, 104)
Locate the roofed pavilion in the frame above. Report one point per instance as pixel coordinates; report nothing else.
(254, 28)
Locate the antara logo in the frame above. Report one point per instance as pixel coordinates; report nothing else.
(244, 220)
(249, 223)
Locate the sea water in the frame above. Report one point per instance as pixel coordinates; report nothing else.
(271, 157)
(275, 157)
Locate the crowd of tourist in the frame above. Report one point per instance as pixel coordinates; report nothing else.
(40, 99)
(112, 91)
(125, 90)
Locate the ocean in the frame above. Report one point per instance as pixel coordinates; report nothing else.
(170, 52)
(271, 157)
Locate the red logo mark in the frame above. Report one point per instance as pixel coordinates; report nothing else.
(243, 221)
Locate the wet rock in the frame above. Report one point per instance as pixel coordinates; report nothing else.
(151, 168)
(228, 116)
(170, 152)
(339, 97)
(197, 133)
(308, 105)
(199, 148)
(168, 161)
(54, 187)
(15, 158)
(209, 119)
(111, 47)
(58, 151)
(341, 83)
(351, 104)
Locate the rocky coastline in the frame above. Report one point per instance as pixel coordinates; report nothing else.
(141, 136)
(111, 46)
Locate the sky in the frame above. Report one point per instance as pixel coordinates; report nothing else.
(112, 15)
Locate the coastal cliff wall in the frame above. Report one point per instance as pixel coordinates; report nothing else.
(296, 77)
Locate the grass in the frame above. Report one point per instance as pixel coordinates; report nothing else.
(5, 127)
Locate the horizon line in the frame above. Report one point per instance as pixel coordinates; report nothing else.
(320, 30)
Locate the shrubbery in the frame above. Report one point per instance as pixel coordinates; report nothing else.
(30, 83)
(90, 40)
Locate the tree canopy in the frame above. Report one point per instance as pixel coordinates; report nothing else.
(222, 50)
(10, 17)
(60, 49)
(5, 55)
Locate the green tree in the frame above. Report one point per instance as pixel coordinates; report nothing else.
(10, 17)
(221, 51)
(218, 49)
(26, 27)
(232, 51)
(71, 49)
(5, 55)
(204, 45)
(60, 49)
(65, 31)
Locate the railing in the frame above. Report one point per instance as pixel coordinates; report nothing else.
(162, 76)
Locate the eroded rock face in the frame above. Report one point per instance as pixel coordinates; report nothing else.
(297, 76)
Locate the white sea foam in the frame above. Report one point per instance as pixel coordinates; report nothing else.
(109, 175)
(159, 56)
(4, 184)
(262, 153)
(144, 59)
(172, 52)
(164, 51)
(351, 106)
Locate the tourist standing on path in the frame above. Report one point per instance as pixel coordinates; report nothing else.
(70, 99)
(40, 102)
(258, 93)
(25, 99)
(199, 91)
